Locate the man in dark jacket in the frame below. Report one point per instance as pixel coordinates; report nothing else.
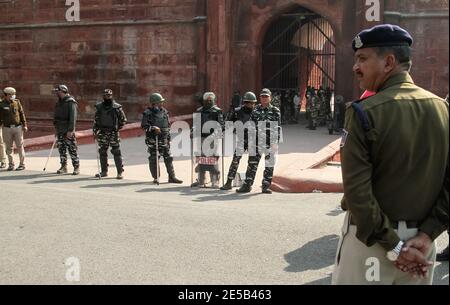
(156, 123)
(65, 119)
(109, 119)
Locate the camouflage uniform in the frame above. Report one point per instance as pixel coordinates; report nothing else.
(65, 118)
(268, 114)
(109, 119)
(322, 109)
(158, 117)
(209, 112)
(313, 109)
(243, 115)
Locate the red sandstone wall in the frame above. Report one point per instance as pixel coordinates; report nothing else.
(142, 46)
(133, 59)
(431, 34)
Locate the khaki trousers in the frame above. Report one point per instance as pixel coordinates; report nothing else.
(11, 136)
(2, 147)
(357, 264)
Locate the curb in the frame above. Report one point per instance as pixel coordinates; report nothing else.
(314, 179)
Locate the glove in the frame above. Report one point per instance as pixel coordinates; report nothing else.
(157, 130)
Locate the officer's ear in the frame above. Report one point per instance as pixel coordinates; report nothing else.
(390, 62)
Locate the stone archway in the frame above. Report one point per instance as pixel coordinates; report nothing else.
(298, 50)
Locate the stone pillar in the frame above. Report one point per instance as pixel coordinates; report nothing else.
(218, 50)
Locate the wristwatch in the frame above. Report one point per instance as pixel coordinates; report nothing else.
(395, 253)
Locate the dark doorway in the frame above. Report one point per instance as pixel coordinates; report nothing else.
(299, 51)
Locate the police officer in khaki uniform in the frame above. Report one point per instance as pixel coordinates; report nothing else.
(14, 124)
(394, 146)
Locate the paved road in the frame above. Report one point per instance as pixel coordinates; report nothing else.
(131, 232)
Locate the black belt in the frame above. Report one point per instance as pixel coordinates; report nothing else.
(410, 224)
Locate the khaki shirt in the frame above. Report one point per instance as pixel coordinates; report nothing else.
(397, 171)
(12, 113)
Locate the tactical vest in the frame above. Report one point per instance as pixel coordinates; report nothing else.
(243, 116)
(210, 114)
(160, 119)
(108, 116)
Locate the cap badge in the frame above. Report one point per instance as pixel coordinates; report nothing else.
(358, 42)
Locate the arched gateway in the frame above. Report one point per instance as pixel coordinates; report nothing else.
(299, 50)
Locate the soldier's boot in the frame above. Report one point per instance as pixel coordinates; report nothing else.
(62, 169)
(200, 181)
(104, 168)
(152, 165)
(228, 186)
(171, 171)
(76, 170)
(245, 188)
(10, 168)
(119, 166)
(214, 180)
(266, 188)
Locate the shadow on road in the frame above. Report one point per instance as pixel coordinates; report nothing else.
(63, 179)
(14, 176)
(336, 212)
(101, 184)
(441, 274)
(321, 282)
(212, 194)
(314, 255)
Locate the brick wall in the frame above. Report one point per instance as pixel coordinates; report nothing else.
(149, 46)
(136, 47)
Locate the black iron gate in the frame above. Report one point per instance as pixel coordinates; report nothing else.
(299, 51)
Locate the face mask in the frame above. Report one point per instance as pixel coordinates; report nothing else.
(13, 97)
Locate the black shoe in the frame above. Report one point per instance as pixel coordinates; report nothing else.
(119, 176)
(245, 188)
(10, 168)
(443, 256)
(227, 186)
(76, 171)
(62, 170)
(174, 180)
(21, 167)
(101, 175)
(266, 191)
(2, 165)
(197, 184)
(156, 182)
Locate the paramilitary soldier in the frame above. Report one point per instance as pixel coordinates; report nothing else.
(240, 114)
(312, 107)
(156, 124)
(109, 119)
(271, 131)
(395, 190)
(209, 112)
(65, 119)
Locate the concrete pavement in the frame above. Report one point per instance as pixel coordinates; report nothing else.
(299, 148)
(131, 232)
